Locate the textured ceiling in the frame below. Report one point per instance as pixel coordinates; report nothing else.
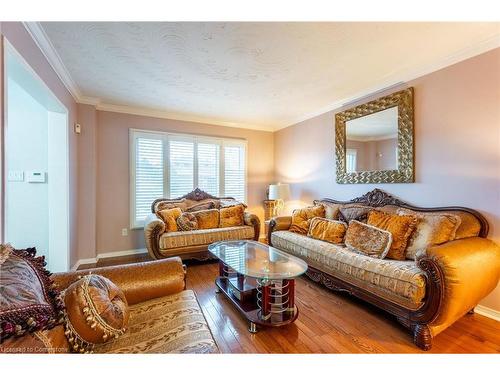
(250, 74)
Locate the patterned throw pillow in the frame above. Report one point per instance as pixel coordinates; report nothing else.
(368, 240)
(207, 219)
(301, 218)
(187, 221)
(432, 229)
(401, 228)
(168, 204)
(354, 212)
(28, 300)
(96, 312)
(332, 231)
(170, 216)
(232, 216)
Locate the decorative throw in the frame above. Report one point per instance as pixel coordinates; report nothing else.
(187, 221)
(332, 231)
(228, 202)
(231, 216)
(354, 212)
(168, 204)
(401, 228)
(432, 229)
(201, 206)
(368, 240)
(28, 300)
(96, 312)
(207, 219)
(301, 218)
(170, 216)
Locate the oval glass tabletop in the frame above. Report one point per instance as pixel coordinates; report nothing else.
(255, 259)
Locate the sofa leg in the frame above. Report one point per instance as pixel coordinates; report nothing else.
(471, 311)
(422, 336)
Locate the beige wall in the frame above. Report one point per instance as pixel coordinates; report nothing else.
(457, 147)
(19, 38)
(112, 173)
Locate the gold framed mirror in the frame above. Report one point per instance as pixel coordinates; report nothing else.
(374, 141)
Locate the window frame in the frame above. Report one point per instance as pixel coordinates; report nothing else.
(135, 133)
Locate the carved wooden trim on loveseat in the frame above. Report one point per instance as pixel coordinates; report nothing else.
(416, 320)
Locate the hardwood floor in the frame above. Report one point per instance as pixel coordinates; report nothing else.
(328, 322)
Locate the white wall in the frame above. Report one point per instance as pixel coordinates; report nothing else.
(26, 203)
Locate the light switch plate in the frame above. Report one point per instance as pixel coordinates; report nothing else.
(36, 176)
(15, 176)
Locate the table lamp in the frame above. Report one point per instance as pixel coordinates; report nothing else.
(279, 192)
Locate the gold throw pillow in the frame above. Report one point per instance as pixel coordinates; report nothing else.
(207, 219)
(170, 216)
(301, 218)
(401, 228)
(432, 229)
(231, 216)
(332, 231)
(368, 240)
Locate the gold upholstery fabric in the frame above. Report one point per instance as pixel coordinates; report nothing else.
(171, 324)
(138, 281)
(327, 230)
(471, 269)
(432, 229)
(282, 222)
(401, 228)
(401, 282)
(301, 218)
(47, 341)
(366, 239)
(469, 225)
(172, 240)
(331, 209)
(207, 219)
(169, 217)
(231, 216)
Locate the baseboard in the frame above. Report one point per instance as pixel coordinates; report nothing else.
(112, 254)
(486, 311)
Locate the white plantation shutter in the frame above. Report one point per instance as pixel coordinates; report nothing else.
(148, 175)
(181, 175)
(234, 171)
(208, 167)
(172, 165)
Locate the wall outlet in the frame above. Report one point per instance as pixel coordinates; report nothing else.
(124, 232)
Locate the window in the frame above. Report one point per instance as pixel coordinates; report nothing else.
(172, 165)
(350, 160)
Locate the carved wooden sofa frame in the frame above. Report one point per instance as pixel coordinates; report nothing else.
(200, 252)
(416, 320)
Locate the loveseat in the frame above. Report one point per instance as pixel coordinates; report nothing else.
(193, 244)
(426, 294)
(164, 317)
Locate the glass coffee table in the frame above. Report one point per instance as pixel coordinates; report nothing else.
(259, 280)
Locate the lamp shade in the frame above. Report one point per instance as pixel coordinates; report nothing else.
(279, 191)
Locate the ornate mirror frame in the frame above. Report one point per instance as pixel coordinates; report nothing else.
(404, 101)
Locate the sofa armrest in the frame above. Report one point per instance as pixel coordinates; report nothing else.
(469, 270)
(276, 224)
(138, 281)
(254, 221)
(153, 229)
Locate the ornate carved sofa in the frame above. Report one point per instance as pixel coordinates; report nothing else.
(426, 295)
(193, 244)
(164, 316)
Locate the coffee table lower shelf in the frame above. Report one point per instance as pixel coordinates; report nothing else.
(249, 308)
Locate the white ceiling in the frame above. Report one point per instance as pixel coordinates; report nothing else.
(255, 75)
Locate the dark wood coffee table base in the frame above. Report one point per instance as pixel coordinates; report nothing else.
(261, 302)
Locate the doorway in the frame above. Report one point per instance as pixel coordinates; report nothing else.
(36, 212)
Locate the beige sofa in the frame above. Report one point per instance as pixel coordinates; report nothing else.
(427, 294)
(193, 244)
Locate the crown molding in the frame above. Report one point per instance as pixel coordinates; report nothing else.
(43, 42)
(139, 111)
(464, 54)
(47, 48)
